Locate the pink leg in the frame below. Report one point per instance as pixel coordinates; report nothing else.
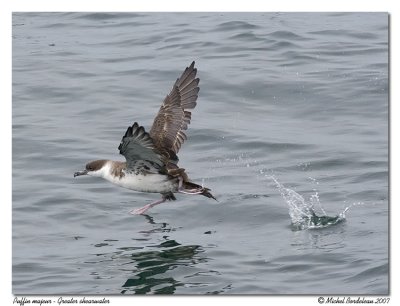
(142, 210)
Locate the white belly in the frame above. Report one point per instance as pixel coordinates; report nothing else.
(145, 183)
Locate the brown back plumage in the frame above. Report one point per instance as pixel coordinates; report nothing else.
(173, 117)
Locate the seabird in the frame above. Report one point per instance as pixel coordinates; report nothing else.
(151, 158)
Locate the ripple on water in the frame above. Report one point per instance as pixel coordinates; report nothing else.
(298, 99)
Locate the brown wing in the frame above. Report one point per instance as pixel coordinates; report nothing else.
(173, 117)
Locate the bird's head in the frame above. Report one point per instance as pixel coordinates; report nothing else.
(94, 168)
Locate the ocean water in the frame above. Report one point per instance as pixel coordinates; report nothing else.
(290, 133)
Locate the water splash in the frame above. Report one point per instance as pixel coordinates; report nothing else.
(302, 213)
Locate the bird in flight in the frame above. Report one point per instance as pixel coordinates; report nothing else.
(151, 157)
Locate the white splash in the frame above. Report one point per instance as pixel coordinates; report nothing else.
(302, 213)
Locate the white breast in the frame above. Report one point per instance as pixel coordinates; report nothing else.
(157, 183)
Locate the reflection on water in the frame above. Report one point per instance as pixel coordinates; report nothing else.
(150, 270)
(152, 266)
(148, 264)
(328, 238)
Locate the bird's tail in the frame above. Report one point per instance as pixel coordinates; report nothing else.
(202, 190)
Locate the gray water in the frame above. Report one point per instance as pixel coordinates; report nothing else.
(292, 112)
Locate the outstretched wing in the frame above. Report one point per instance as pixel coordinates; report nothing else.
(173, 117)
(138, 145)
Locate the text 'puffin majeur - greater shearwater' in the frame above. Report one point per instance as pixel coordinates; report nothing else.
(151, 158)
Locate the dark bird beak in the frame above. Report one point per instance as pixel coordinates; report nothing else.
(84, 172)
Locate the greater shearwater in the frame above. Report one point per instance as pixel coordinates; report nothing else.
(151, 158)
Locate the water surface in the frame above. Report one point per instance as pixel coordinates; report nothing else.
(299, 97)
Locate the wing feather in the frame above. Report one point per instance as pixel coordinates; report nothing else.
(137, 145)
(173, 117)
